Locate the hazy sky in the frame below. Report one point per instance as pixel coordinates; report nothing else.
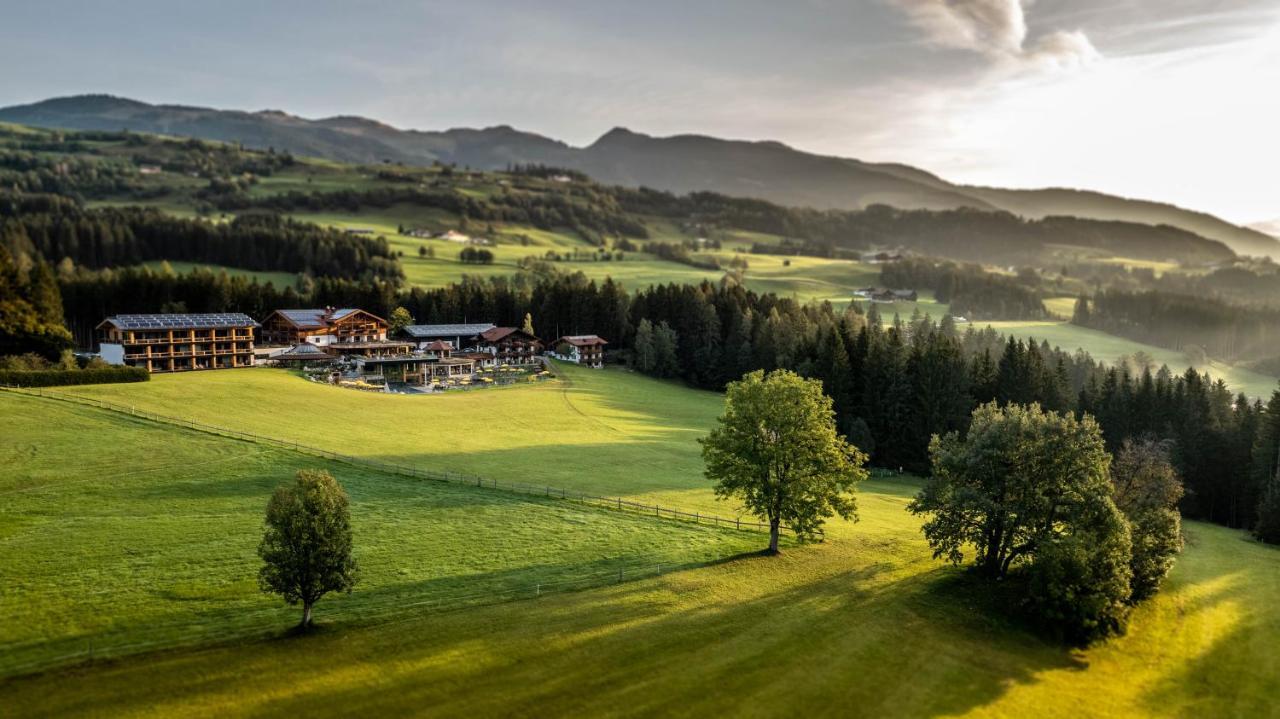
(1175, 100)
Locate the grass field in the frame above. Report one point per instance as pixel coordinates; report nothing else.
(864, 624)
(280, 279)
(1110, 348)
(119, 532)
(804, 278)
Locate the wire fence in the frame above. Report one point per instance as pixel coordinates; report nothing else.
(253, 620)
(249, 620)
(416, 471)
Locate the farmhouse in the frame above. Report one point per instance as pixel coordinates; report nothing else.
(510, 345)
(460, 337)
(585, 350)
(178, 342)
(345, 331)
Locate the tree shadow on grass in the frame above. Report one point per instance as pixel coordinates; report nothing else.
(854, 642)
(1238, 672)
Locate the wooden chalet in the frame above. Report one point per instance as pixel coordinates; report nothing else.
(178, 342)
(586, 350)
(510, 345)
(345, 331)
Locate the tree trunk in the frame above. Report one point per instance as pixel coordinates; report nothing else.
(306, 615)
(773, 535)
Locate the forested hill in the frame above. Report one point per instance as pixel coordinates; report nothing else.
(765, 170)
(205, 178)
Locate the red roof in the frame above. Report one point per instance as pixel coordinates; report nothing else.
(500, 333)
(584, 340)
(438, 345)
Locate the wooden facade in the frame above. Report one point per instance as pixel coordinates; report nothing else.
(345, 331)
(586, 350)
(178, 342)
(510, 345)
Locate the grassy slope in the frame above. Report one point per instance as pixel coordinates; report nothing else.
(280, 279)
(1109, 348)
(864, 624)
(115, 532)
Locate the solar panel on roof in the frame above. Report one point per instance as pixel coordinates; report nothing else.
(182, 321)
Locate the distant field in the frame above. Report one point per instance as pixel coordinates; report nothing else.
(866, 623)
(1110, 348)
(805, 278)
(1061, 307)
(281, 280)
(116, 532)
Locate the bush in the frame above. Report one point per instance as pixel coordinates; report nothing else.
(1078, 585)
(59, 377)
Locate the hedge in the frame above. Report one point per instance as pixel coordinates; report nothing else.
(57, 377)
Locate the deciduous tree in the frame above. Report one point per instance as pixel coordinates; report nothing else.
(777, 450)
(306, 548)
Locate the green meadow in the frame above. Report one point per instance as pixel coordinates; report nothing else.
(122, 535)
(1112, 349)
(280, 279)
(865, 623)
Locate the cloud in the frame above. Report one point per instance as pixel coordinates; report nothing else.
(998, 30)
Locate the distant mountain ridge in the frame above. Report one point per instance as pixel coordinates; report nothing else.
(1271, 227)
(682, 163)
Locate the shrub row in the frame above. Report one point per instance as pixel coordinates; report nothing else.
(57, 377)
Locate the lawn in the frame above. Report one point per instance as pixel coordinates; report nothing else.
(281, 280)
(120, 535)
(864, 624)
(1110, 348)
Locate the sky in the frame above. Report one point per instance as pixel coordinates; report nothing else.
(1170, 100)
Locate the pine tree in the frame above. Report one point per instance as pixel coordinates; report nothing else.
(643, 349)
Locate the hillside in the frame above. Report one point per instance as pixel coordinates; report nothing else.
(766, 170)
(812, 632)
(528, 214)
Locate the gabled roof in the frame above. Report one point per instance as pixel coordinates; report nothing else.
(320, 318)
(214, 320)
(430, 331)
(500, 333)
(438, 345)
(493, 334)
(584, 340)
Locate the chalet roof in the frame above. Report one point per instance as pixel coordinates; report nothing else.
(217, 320)
(430, 331)
(438, 345)
(304, 351)
(320, 318)
(493, 334)
(584, 340)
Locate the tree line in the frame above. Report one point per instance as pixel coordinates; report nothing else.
(1200, 325)
(971, 290)
(39, 226)
(894, 384)
(965, 234)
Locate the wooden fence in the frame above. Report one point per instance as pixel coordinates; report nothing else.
(415, 471)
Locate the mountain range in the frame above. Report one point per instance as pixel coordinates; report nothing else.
(683, 163)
